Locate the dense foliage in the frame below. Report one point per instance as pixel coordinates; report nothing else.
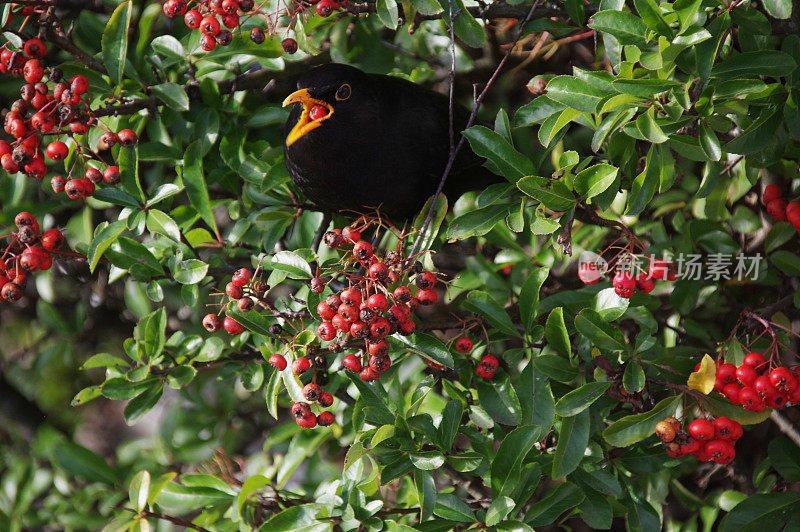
(606, 340)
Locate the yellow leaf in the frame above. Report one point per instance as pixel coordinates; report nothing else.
(703, 379)
(595, 352)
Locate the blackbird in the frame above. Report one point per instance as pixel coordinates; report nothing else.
(363, 141)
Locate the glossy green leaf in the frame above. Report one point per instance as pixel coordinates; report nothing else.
(115, 41)
(482, 303)
(635, 428)
(573, 438)
(578, 400)
(508, 460)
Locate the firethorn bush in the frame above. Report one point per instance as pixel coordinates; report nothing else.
(607, 339)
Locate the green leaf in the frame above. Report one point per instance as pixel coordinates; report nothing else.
(159, 222)
(291, 263)
(785, 458)
(172, 94)
(758, 135)
(426, 493)
(529, 296)
(756, 513)
(709, 142)
(633, 379)
(105, 235)
(551, 127)
(425, 345)
(508, 460)
(780, 233)
(499, 399)
(451, 420)
(499, 510)
(635, 428)
(169, 47)
(178, 499)
(625, 27)
(190, 271)
(482, 303)
(575, 93)
(559, 500)
(555, 330)
(387, 12)
(573, 439)
(595, 179)
(138, 490)
(651, 15)
(427, 7)
(439, 213)
(252, 321)
(786, 261)
(493, 146)
(552, 194)
(427, 460)
(142, 404)
(720, 406)
(115, 41)
(195, 183)
(81, 462)
(760, 63)
(578, 400)
(251, 485)
(117, 197)
(556, 367)
(604, 335)
(477, 222)
(778, 8)
(644, 88)
(649, 129)
(150, 332)
(448, 506)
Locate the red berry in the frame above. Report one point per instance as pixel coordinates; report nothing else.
(754, 360)
(378, 272)
(589, 273)
(690, 446)
(751, 399)
(127, 138)
(701, 429)
(464, 344)
(35, 48)
(771, 192)
(378, 348)
(732, 391)
(278, 361)
(108, 140)
(379, 328)
(763, 386)
(11, 292)
(351, 235)
(427, 297)
(232, 326)
(377, 303)
(325, 400)
(325, 8)
(402, 294)
(234, 291)
(720, 451)
(782, 379)
(211, 322)
(746, 375)
(111, 175)
(727, 429)
(241, 277)
(352, 363)
(325, 418)
(659, 268)
(369, 374)
(52, 239)
(326, 311)
(58, 182)
(33, 72)
(645, 283)
(289, 45)
(208, 43)
(308, 422)
(624, 284)
(777, 209)
(300, 365)
(407, 327)
(257, 35)
(380, 363)
(727, 372)
(193, 18)
(74, 189)
(311, 391)
(209, 26)
(351, 296)
(425, 280)
(793, 214)
(362, 250)
(317, 112)
(359, 329)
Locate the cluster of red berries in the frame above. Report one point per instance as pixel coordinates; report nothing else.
(56, 108)
(779, 209)
(375, 304)
(706, 440)
(625, 283)
(246, 290)
(22, 255)
(755, 386)
(212, 17)
(312, 392)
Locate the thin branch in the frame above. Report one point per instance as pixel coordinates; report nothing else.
(476, 105)
(164, 517)
(786, 427)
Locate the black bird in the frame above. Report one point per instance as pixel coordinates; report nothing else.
(363, 141)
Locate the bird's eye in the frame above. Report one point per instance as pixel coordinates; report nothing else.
(343, 93)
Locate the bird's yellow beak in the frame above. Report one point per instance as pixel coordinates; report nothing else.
(305, 124)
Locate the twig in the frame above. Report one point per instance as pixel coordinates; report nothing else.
(164, 517)
(476, 105)
(785, 426)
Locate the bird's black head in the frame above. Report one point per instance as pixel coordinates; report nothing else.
(333, 96)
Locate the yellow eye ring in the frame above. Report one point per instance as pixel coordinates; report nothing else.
(343, 93)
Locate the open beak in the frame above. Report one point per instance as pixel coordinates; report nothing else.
(305, 124)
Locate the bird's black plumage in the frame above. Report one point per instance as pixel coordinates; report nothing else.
(385, 146)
